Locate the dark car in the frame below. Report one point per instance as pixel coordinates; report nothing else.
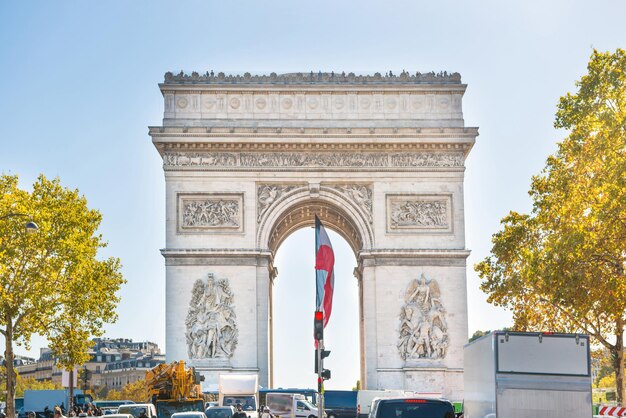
(412, 408)
(340, 403)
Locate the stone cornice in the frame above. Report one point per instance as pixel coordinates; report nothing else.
(291, 147)
(215, 252)
(316, 132)
(414, 253)
(313, 78)
(366, 89)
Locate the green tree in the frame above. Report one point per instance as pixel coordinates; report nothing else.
(134, 391)
(30, 383)
(561, 267)
(51, 282)
(477, 334)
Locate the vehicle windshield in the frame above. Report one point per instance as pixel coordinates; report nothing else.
(216, 412)
(308, 404)
(409, 409)
(168, 408)
(247, 402)
(133, 410)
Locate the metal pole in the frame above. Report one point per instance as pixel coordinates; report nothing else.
(320, 380)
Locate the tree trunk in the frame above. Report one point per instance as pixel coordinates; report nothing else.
(619, 361)
(8, 358)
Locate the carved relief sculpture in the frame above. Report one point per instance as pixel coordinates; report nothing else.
(423, 328)
(210, 212)
(421, 213)
(313, 159)
(267, 195)
(359, 194)
(211, 322)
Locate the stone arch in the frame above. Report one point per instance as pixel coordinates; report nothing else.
(268, 152)
(297, 209)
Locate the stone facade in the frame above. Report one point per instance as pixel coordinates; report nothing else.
(112, 364)
(250, 159)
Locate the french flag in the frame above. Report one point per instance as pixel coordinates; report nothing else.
(324, 275)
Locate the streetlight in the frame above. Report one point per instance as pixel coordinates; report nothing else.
(30, 226)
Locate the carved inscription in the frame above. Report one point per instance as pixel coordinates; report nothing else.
(423, 328)
(268, 194)
(418, 212)
(211, 322)
(197, 212)
(312, 159)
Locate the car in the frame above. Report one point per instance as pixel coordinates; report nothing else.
(340, 403)
(304, 409)
(188, 414)
(411, 407)
(119, 416)
(220, 412)
(208, 405)
(136, 409)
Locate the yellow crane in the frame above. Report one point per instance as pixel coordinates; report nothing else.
(175, 388)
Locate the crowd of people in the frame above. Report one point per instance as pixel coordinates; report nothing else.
(59, 411)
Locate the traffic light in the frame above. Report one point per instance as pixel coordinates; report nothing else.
(325, 353)
(326, 374)
(318, 325)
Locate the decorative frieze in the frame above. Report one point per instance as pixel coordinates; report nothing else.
(269, 194)
(218, 212)
(419, 212)
(423, 332)
(259, 160)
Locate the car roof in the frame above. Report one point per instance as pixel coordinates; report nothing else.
(402, 398)
(187, 414)
(119, 415)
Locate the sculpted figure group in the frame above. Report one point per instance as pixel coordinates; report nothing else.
(423, 328)
(211, 325)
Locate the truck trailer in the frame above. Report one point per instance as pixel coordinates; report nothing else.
(38, 400)
(240, 389)
(525, 374)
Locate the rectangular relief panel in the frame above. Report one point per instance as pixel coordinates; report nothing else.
(210, 212)
(417, 213)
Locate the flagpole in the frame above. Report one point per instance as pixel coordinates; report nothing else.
(320, 343)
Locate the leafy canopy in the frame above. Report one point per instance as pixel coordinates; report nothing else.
(52, 282)
(561, 267)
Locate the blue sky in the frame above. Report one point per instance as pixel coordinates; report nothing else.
(79, 87)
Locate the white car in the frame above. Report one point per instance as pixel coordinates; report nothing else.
(119, 416)
(136, 409)
(189, 414)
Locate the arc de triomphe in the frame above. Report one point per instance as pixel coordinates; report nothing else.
(250, 159)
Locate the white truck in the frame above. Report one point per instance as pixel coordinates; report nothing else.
(523, 374)
(290, 405)
(240, 389)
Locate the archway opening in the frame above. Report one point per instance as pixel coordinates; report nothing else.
(293, 304)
